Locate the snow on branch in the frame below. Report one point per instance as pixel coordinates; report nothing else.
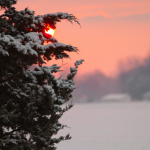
(78, 62)
(33, 46)
(3, 52)
(7, 3)
(54, 49)
(58, 16)
(73, 70)
(60, 47)
(31, 100)
(9, 41)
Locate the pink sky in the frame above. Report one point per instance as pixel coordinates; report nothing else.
(110, 31)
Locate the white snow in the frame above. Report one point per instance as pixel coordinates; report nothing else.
(33, 36)
(5, 53)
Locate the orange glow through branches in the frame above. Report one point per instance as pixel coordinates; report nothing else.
(49, 30)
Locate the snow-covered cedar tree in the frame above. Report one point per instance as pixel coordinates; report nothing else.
(30, 100)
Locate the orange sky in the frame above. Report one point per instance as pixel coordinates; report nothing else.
(110, 31)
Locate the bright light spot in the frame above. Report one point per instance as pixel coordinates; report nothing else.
(50, 31)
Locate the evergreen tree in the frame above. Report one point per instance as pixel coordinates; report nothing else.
(30, 101)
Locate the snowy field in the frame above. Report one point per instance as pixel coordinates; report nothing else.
(107, 126)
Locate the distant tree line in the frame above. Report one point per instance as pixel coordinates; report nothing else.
(136, 81)
(133, 78)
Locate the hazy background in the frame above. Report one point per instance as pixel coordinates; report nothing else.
(114, 41)
(133, 78)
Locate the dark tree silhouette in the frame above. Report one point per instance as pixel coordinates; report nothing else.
(30, 101)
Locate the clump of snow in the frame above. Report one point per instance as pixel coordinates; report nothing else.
(3, 52)
(78, 62)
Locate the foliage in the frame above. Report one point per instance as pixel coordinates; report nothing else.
(30, 101)
(7, 3)
(136, 81)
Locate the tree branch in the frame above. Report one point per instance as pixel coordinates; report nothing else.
(8, 15)
(8, 133)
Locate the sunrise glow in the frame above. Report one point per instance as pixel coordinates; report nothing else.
(49, 30)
